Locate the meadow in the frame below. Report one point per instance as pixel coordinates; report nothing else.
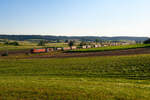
(29, 45)
(110, 48)
(87, 78)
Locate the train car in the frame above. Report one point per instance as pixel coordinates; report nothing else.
(66, 48)
(42, 50)
(73, 47)
(59, 49)
(51, 49)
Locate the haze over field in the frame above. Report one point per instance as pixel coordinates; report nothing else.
(75, 17)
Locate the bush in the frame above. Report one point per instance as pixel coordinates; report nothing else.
(42, 43)
(147, 41)
(6, 43)
(5, 54)
(12, 43)
(71, 43)
(83, 43)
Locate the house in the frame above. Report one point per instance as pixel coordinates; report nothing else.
(88, 46)
(84, 47)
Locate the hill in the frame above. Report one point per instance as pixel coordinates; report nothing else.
(81, 38)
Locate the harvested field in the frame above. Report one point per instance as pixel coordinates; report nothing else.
(82, 54)
(23, 51)
(103, 53)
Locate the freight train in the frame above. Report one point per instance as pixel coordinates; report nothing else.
(44, 50)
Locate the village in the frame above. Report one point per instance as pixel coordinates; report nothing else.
(72, 47)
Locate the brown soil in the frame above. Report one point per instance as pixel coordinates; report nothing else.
(103, 53)
(88, 54)
(16, 51)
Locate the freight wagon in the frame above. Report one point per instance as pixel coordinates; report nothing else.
(73, 47)
(66, 48)
(59, 49)
(51, 49)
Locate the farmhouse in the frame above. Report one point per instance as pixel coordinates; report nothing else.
(84, 47)
(88, 46)
(95, 46)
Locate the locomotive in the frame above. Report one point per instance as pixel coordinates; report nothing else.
(41, 50)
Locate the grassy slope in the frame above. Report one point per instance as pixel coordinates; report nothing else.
(28, 45)
(111, 48)
(96, 78)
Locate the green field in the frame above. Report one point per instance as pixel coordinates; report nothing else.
(89, 78)
(28, 45)
(109, 48)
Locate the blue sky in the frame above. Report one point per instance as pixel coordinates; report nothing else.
(75, 17)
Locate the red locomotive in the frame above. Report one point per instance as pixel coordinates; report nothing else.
(42, 50)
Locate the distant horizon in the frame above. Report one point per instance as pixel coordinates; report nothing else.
(71, 35)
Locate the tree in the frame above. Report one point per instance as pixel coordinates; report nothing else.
(41, 43)
(12, 43)
(6, 43)
(147, 41)
(82, 43)
(71, 43)
(58, 41)
(97, 40)
(66, 41)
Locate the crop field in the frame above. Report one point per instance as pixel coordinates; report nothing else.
(87, 78)
(110, 48)
(28, 45)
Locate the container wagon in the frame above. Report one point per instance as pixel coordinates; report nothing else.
(66, 48)
(58, 49)
(51, 49)
(73, 47)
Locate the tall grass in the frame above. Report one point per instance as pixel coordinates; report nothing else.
(89, 78)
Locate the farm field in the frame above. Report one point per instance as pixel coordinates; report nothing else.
(102, 51)
(110, 48)
(28, 45)
(87, 78)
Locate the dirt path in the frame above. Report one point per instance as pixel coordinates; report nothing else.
(103, 53)
(23, 51)
(88, 54)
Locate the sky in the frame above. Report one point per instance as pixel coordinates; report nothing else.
(75, 17)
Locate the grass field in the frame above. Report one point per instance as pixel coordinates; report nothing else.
(29, 45)
(121, 47)
(89, 78)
